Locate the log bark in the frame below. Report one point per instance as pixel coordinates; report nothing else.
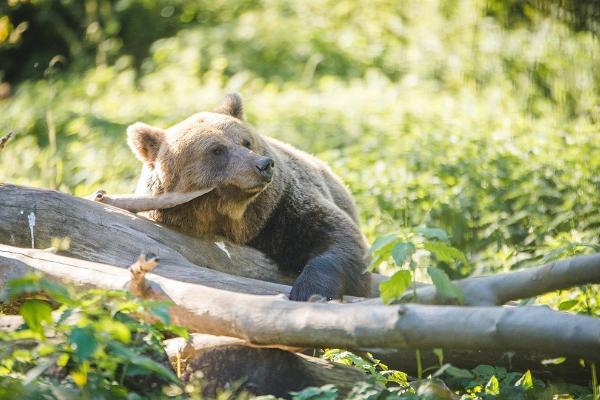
(106, 234)
(225, 360)
(265, 320)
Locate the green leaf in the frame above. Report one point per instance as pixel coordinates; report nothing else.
(394, 287)
(444, 252)
(57, 291)
(444, 285)
(29, 283)
(526, 381)
(567, 304)
(35, 312)
(484, 370)
(326, 392)
(161, 310)
(493, 386)
(84, 342)
(439, 353)
(402, 251)
(432, 233)
(382, 243)
(144, 362)
(554, 361)
(459, 372)
(117, 330)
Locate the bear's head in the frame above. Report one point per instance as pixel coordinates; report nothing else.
(209, 149)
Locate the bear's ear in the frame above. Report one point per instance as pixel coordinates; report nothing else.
(231, 105)
(145, 141)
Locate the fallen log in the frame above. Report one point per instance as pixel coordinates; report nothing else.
(266, 320)
(225, 360)
(106, 234)
(498, 289)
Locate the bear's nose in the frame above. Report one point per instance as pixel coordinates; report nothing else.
(265, 167)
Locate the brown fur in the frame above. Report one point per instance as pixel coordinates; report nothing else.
(304, 218)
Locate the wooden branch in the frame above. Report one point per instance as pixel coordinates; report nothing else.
(138, 203)
(225, 360)
(266, 320)
(529, 282)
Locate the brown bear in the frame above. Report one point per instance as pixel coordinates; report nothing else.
(268, 195)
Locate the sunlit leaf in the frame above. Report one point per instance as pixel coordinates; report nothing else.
(444, 252)
(492, 386)
(382, 243)
(526, 381)
(35, 313)
(117, 330)
(80, 376)
(568, 304)
(395, 286)
(554, 361)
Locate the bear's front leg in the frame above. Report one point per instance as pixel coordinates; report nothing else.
(323, 275)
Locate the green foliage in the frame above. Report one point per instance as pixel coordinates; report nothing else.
(96, 343)
(403, 249)
(378, 371)
(395, 286)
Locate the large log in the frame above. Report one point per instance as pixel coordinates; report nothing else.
(225, 360)
(102, 233)
(266, 320)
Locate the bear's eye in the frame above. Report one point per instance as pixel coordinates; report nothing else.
(218, 150)
(246, 143)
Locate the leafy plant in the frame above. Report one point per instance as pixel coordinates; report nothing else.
(409, 250)
(94, 343)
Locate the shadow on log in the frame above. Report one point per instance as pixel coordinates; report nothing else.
(224, 361)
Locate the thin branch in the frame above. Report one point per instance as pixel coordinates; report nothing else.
(529, 282)
(138, 203)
